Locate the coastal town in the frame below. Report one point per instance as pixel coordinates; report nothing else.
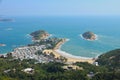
(45, 49)
(29, 53)
(37, 49)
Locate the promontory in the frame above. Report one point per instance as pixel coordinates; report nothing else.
(39, 35)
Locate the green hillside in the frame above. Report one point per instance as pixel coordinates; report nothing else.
(110, 59)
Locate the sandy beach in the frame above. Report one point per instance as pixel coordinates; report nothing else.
(70, 58)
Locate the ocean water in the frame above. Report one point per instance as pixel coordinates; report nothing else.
(15, 34)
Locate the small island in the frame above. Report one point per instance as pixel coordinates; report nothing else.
(39, 35)
(2, 45)
(5, 20)
(89, 36)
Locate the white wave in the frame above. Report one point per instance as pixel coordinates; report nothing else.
(50, 35)
(89, 39)
(67, 39)
(69, 55)
(96, 54)
(9, 29)
(28, 36)
(65, 54)
(64, 42)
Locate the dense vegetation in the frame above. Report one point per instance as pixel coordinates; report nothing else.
(110, 59)
(40, 34)
(89, 35)
(50, 71)
(108, 69)
(50, 43)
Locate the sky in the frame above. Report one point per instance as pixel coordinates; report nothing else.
(59, 7)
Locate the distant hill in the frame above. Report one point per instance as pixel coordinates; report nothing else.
(5, 20)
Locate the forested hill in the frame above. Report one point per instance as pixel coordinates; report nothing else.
(15, 69)
(40, 34)
(110, 59)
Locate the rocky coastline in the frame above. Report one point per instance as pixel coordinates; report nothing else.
(89, 36)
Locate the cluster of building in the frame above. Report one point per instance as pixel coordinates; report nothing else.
(29, 52)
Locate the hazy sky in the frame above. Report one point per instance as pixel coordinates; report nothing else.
(59, 7)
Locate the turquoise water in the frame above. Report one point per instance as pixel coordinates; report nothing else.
(15, 34)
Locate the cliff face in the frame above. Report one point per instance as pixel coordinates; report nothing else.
(89, 35)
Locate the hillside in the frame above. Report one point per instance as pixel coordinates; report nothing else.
(110, 59)
(40, 34)
(28, 69)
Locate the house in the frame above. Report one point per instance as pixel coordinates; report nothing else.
(96, 64)
(28, 70)
(72, 67)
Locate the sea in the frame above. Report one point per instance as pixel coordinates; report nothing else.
(16, 33)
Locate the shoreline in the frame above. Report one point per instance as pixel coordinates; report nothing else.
(73, 59)
(70, 58)
(45, 37)
(89, 39)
